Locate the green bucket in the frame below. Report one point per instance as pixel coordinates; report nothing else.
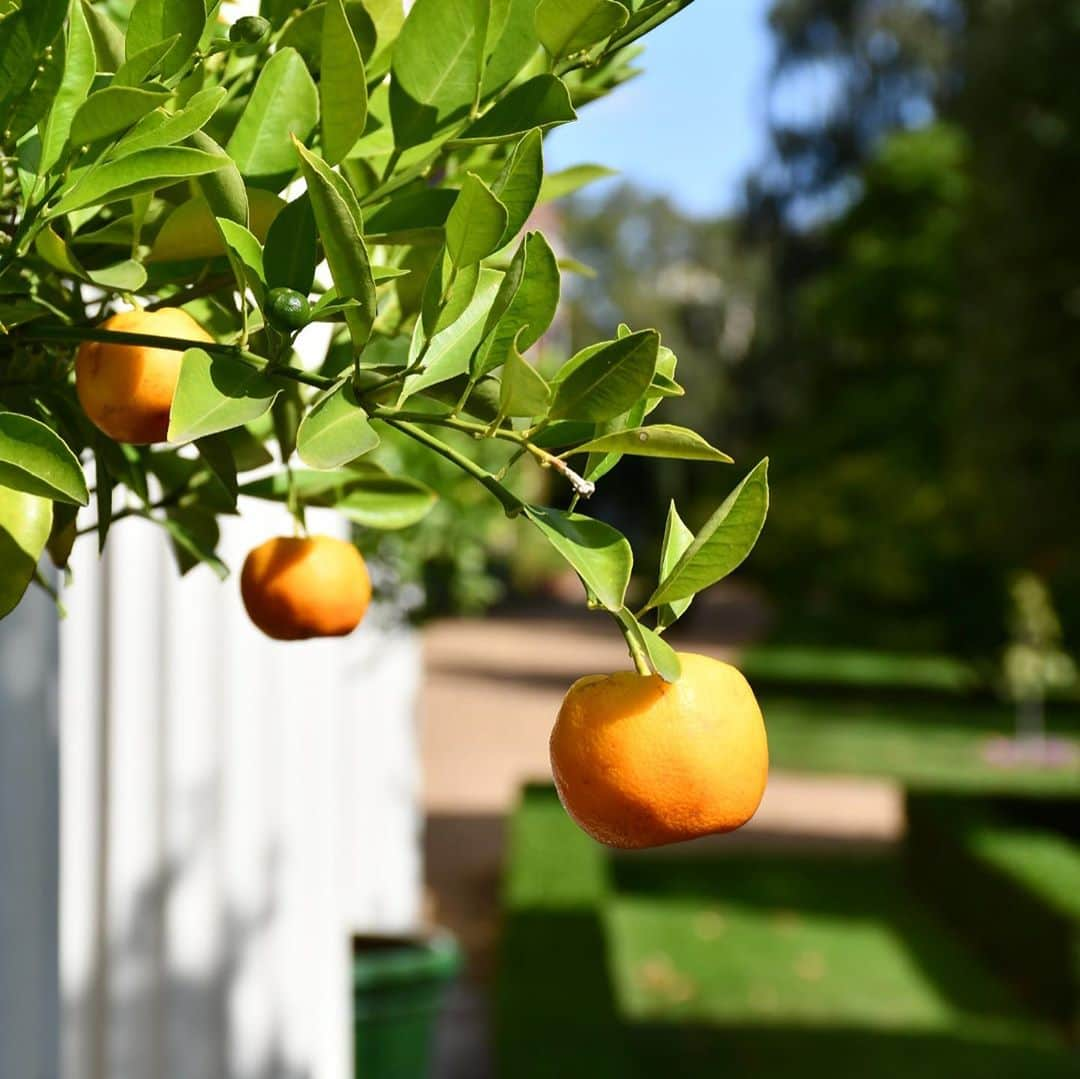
(398, 987)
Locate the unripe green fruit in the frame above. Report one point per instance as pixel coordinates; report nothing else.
(287, 310)
(250, 30)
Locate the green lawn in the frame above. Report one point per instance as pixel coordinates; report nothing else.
(922, 744)
(746, 966)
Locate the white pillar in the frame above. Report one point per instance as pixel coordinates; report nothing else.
(29, 1002)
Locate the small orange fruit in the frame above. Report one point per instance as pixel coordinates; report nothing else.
(299, 587)
(640, 762)
(127, 390)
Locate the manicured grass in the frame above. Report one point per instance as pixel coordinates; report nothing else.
(748, 966)
(924, 745)
(850, 667)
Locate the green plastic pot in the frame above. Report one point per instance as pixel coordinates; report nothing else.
(398, 989)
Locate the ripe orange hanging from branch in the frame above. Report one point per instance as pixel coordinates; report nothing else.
(296, 587)
(640, 762)
(127, 390)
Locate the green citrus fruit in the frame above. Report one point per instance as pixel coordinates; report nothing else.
(287, 310)
(250, 30)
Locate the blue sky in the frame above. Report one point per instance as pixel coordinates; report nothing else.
(693, 124)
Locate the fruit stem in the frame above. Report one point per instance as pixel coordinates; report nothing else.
(510, 502)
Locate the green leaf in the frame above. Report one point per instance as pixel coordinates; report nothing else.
(305, 29)
(216, 453)
(336, 431)
(447, 295)
(214, 394)
(417, 217)
(677, 538)
(656, 440)
(224, 189)
(244, 245)
(160, 128)
(476, 224)
(35, 459)
(25, 523)
(726, 539)
(568, 26)
(140, 67)
(512, 50)
(108, 37)
(543, 101)
(339, 222)
(600, 555)
(609, 381)
(291, 252)
(385, 502)
(146, 170)
(342, 85)
(523, 390)
(525, 306)
(80, 66)
(565, 182)
(662, 657)
(449, 350)
(114, 109)
(435, 68)
(195, 534)
(284, 103)
(518, 185)
(156, 20)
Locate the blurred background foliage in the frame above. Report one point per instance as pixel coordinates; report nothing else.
(894, 313)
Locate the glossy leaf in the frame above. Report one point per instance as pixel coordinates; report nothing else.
(215, 394)
(657, 440)
(159, 128)
(568, 26)
(335, 431)
(338, 219)
(435, 69)
(80, 66)
(677, 538)
(146, 170)
(599, 554)
(543, 102)
(111, 110)
(416, 217)
(518, 185)
(476, 224)
(523, 389)
(342, 85)
(291, 252)
(609, 381)
(156, 20)
(25, 523)
(385, 502)
(284, 103)
(244, 246)
(557, 185)
(35, 459)
(725, 540)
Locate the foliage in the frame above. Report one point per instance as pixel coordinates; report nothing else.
(155, 157)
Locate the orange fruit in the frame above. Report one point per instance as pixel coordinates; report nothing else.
(315, 586)
(640, 762)
(127, 390)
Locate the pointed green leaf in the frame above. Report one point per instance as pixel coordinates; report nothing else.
(476, 224)
(724, 541)
(160, 128)
(291, 252)
(568, 26)
(143, 65)
(523, 390)
(435, 68)
(156, 20)
(543, 101)
(557, 185)
(111, 110)
(35, 459)
(338, 218)
(195, 534)
(388, 503)
(336, 431)
(244, 245)
(146, 170)
(518, 185)
(25, 523)
(216, 453)
(80, 66)
(609, 381)
(657, 440)
(599, 554)
(677, 538)
(447, 295)
(284, 103)
(216, 393)
(662, 657)
(342, 85)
